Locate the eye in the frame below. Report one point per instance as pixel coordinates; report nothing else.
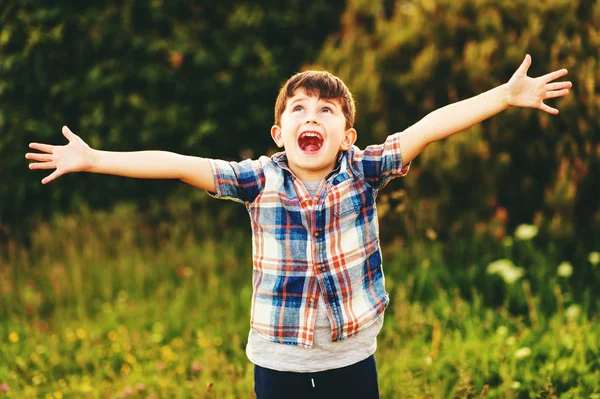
(326, 110)
(297, 108)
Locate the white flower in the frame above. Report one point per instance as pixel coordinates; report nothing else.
(526, 232)
(515, 385)
(565, 269)
(512, 275)
(506, 269)
(594, 258)
(522, 353)
(502, 330)
(498, 266)
(572, 312)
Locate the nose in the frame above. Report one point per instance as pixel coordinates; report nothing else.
(311, 119)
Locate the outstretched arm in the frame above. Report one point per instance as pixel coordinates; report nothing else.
(521, 91)
(77, 156)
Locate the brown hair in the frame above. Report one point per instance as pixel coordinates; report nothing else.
(320, 83)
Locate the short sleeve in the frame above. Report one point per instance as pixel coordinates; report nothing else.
(238, 181)
(382, 162)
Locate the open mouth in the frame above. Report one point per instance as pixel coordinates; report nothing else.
(310, 142)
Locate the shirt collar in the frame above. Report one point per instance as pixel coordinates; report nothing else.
(281, 160)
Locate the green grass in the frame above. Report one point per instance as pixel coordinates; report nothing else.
(101, 305)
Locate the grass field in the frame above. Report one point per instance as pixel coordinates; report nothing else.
(100, 305)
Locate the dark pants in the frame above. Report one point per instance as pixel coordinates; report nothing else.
(356, 381)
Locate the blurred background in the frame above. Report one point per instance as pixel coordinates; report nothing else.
(120, 287)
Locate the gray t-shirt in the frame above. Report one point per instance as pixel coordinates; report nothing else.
(324, 355)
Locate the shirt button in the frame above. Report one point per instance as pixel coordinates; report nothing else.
(316, 234)
(312, 299)
(320, 266)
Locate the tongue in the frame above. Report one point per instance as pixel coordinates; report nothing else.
(310, 144)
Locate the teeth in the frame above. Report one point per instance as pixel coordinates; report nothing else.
(310, 134)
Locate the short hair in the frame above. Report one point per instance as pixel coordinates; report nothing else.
(320, 83)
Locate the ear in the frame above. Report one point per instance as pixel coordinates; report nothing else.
(276, 135)
(349, 139)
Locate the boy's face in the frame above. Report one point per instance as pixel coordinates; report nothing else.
(313, 132)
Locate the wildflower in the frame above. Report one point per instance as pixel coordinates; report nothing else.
(502, 331)
(594, 258)
(526, 232)
(80, 333)
(515, 385)
(522, 353)
(160, 366)
(506, 269)
(112, 336)
(4, 388)
(507, 241)
(13, 337)
(511, 275)
(565, 269)
(196, 367)
(498, 266)
(572, 312)
(140, 388)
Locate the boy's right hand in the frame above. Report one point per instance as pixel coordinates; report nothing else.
(73, 157)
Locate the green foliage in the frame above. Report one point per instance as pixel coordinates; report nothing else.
(404, 59)
(102, 304)
(199, 78)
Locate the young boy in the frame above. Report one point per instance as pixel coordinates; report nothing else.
(318, 286)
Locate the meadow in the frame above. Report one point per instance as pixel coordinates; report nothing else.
(115, 304)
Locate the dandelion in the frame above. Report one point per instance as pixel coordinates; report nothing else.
(526, 232)
(13, 337)
(80, 333)
(522, 353)
(565, 269)
(594, 258)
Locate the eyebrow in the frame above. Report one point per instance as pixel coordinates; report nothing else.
(307, 97)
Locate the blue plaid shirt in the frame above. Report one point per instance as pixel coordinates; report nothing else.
(304, 247)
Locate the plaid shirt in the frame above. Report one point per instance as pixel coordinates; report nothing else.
(304, 248)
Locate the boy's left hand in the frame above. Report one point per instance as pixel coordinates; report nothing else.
(524, 91)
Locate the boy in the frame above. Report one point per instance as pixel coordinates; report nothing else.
(318, 286)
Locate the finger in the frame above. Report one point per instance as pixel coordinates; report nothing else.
(51, 177)
(554, 75)
(558, 86)
(34, 156)
(42, 147)
(42, 165)
(524, 67)
(68, 133)
(548, 109)
(556, 93)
